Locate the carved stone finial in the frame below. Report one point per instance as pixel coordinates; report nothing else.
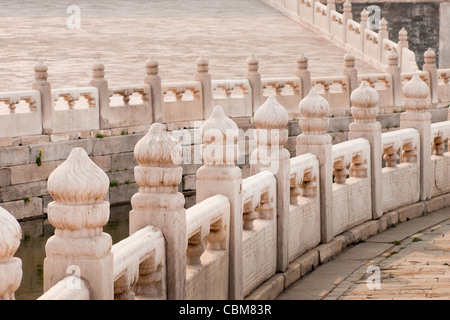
(364, 15)
(98, 70)
(383, 24)
(364, 100)
(219, 135)
(430, 56)
(302, 61)
(416, 95)
(151, 66)
(314, 111)
(349, 60)
(78, 213)
(158, 148)
(347, 6)
(40, 71)
(202, 64)
(78, 180)
(252, 63)
(393, 59)
(10, 267)
(10, 235)
(271, 115)
(403, 35)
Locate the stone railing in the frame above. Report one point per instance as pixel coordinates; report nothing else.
(304, 209)
(440, 134)
(365, 43)
(352, 159)
(253, 228)
(259, 245)
(75, 108)
(139, 265)
(80, 112)
(20, 113)
(70, 288)
(207, 230)
(401, 174)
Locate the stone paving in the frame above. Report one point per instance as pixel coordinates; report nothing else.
(411, 259)
(125, 33)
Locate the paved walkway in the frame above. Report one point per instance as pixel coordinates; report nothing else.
(176, 32)
(411, 259)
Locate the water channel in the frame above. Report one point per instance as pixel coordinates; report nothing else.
(32, 252)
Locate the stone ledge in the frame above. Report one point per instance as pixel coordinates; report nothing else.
(411, 211)
(269, 290)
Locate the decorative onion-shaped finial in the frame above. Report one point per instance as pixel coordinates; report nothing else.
(416, 94)
(271, 115)
(158, 148)
(78, 180)
(10, 234)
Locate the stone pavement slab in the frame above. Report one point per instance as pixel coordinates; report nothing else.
(411, 259)
(124, 34)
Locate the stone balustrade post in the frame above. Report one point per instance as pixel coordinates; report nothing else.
(78, 213)
(204, 77)
(303, 73)
(402, 43)
(382, 34)
(350, 71)
(314, 111)
(416, 102)
(331, 5)
(254, 78)
(99, 81)
(394, 70)
(40, 83)
(220, 175)
(154, 81)
(158, 202)
(10, 266)
(431, 68)
(363, 26)
(364, 100)
(346, 15)
(271, 120)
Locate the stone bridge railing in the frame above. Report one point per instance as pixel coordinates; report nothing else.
(374, 47)
(80, 112)
(242, 232)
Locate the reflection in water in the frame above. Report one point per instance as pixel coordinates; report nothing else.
(32, 252)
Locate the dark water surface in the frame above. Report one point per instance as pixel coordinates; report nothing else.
(32, 252)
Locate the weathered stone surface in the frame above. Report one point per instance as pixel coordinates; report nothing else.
(410, 212)
(122, 161)
(58, 150)
(434, 204)
(5, 177)
(20, 209)
(329, 250)
(104, 162)
(117, 144)
(388, 219)
(188, 182)
(31, 172)
(364, 230)
(121, 177)
(122, 193)
(21, 191)
(269, 290)
(292, 274)
(11, 156)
